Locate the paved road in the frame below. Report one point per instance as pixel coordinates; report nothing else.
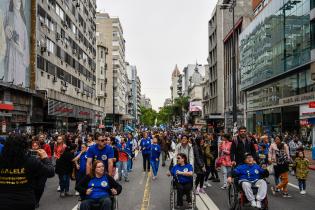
(143, 193)
(276, 202)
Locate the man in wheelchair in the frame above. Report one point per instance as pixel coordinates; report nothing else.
(249, 175)
(97, 188)
(182, 173)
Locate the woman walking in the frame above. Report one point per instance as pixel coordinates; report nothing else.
(199, 165)
(224, 158)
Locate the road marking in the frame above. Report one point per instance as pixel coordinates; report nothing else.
(208, 201)
(146, 195)
(294, 186)
(142, 178)
(75, 207)
(200, 204)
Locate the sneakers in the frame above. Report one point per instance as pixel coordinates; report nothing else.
(204, 186)
(286, 195)
(224, 187)
(58, 188)
(62, 194)
(253, 204)
(302, 192)
(77, 193)
(208, 184)
(202, 191)
(196, 192)
(258, 204)
(273, 190)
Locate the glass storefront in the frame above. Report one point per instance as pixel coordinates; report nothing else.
(277, 41)
(312, 4)
(269, 95)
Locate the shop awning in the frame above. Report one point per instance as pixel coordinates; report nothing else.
(127, 117)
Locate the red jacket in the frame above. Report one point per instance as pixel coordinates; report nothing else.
(47, 149)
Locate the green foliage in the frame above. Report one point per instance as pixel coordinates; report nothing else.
(147, 116)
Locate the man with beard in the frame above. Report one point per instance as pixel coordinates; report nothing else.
(242, 144)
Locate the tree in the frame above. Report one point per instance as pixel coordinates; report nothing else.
(181, 106)
(165, 115)
(147, 116)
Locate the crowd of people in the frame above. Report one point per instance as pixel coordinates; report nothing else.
(99, 162)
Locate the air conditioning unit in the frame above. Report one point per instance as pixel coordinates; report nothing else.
(77, 90)
(74, 51)
(43, 49)
(83, 93)
(63, 88)
(65, 84)
(57, 36)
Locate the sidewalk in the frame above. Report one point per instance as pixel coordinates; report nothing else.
(308, 155)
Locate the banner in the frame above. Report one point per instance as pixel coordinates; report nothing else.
(15, 27)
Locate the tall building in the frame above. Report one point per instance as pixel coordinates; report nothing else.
(276, 67)
(243, 16)
(134, 93)
(174, 87)
(168, 102)
(66, 68)
(145, 102)
(111, 30)
(188, 72)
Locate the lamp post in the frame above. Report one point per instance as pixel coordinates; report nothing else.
(231, 4)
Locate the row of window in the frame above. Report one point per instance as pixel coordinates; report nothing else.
(52, 69)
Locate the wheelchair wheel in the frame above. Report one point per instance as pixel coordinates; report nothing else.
(233, 199)
(115, 203)
(172, 198)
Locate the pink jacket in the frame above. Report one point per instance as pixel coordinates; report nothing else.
(272, 151)
(224, 153)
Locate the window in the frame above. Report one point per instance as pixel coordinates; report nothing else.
(101, 53)
(312, 4)
(50, 46)
(60, 12)
(40, 63)
(313, 33)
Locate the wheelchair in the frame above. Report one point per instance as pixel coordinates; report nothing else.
(97, 206)
(237, 198)
(173, 198)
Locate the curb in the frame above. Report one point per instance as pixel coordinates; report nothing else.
(312, 167)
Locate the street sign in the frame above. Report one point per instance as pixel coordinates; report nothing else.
(311, 104)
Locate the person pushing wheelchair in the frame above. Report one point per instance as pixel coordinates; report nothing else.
(248, 175)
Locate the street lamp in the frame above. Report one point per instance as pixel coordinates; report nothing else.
(231, 4)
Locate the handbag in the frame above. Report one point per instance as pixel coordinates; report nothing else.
(219, 161)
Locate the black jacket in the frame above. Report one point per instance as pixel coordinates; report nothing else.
(18, 193)
(64, 164)
(82, 186)
(238, 150)
(198, 159)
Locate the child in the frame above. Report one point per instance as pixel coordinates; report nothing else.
(263, 155)
(301, 170)
(155, 157)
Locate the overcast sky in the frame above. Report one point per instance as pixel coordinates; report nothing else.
(160, 34)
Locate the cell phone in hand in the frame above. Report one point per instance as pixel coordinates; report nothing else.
(33, 153)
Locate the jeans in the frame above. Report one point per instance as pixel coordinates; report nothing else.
(122, 169)
(106, 203)
(225, 171)
(208, 170)
(155, 166)
(183, 189)
(64, 182)
(146, 162)
(302, 184)
(129, 164)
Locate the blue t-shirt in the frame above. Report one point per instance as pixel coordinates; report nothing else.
(146, 146)
(181, 178)
(100, 188)
(155, 151)
(1, 148)
(247, 172)
(83, 159)
(104, 154)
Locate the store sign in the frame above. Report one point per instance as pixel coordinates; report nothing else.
(61, 109)
(306, 112)
(304, 98)
(311, 104)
